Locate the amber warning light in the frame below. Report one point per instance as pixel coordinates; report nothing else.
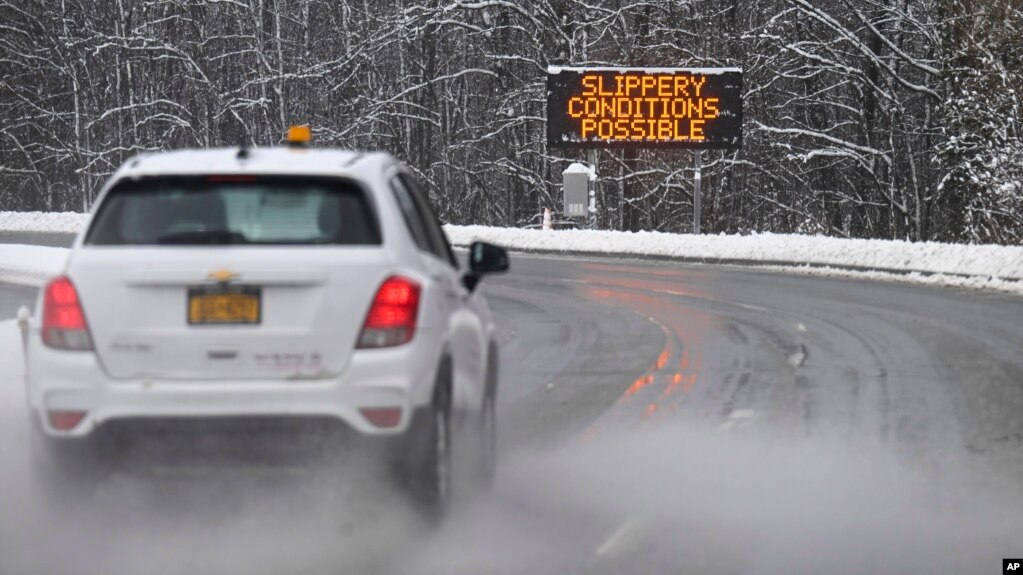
(695, 108)
(299, 136)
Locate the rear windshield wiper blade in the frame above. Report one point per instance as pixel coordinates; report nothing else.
(204, 237)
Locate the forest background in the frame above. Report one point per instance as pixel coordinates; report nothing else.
(862, 118)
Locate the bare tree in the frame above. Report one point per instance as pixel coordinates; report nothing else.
(864, 118)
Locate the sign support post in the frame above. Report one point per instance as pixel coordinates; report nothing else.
(697, 177)
(591, 204)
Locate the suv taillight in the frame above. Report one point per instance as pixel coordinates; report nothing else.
(64, 325)
(392, 318)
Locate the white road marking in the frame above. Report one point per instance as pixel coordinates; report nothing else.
(737, 419)
(626, 536)
(800, 327)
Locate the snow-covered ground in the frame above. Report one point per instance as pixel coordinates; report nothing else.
(790, 250)
(68, 222)
(970, 266)
(29, 265)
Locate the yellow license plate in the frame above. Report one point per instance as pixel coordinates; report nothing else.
(232, 305)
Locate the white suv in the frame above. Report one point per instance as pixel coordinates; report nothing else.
(263, 293)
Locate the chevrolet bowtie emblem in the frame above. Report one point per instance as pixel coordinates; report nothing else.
(222, 275)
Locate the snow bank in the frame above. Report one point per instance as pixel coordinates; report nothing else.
(987, 261)
(67, 222)
(30, 265)
(986, 266)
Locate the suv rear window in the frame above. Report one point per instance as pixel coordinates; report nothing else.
(235, 209)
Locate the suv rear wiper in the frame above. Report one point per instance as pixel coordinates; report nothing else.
(204, 237)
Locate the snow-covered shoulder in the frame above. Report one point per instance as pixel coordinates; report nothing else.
(30, 265)
(1002, 263)
(56, 222)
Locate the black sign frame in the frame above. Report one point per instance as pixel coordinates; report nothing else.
(601, 89)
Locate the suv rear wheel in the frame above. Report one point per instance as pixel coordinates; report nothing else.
(426, 465)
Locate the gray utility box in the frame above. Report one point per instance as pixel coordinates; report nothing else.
(576, 180)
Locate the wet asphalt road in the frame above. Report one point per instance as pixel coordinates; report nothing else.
(703, 419)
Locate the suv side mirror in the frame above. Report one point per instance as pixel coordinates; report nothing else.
(484, 259)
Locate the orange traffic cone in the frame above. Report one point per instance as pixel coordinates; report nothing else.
(547, 219)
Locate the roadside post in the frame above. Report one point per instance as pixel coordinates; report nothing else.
(646, 108)
(697, 177)
(24, 316)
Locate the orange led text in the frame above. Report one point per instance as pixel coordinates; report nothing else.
(643, 107)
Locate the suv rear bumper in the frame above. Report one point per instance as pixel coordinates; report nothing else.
(400, 377)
